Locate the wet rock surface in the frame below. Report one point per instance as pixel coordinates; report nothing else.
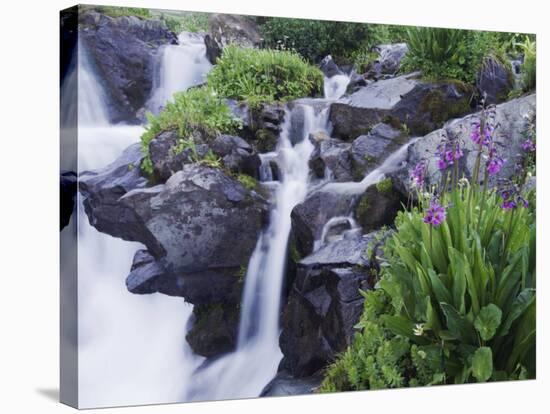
(122, 50)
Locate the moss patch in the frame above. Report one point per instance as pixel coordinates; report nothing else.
(385, 186)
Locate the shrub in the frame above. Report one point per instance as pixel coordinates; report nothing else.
(447, 53)
(113, 11)
(198, 110)
(456, 295)
(185, 22)
(264, 75)
(313, 39)
(529, 69)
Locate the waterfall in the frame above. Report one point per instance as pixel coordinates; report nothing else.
(245, 372)
(335, 86)
(131, 348)
(390, 164)
(181, 67)
(335, 222)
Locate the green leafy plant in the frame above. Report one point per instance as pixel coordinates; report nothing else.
(313, 39)
(264, 75)
(185, 21)
(447, 53)
(113, 11)
(196, 111)
(250, 183)
(529, 69)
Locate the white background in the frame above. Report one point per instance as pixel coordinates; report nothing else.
(29, 206)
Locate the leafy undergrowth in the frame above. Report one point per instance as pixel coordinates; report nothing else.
(257, 76)
(456, 298)
(196, 111)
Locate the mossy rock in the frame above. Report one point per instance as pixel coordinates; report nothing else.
(378, 206)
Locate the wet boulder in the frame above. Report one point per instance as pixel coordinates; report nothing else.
(388, 62)
(310, 217)
(226, 29)
(237, 154)
(404, 100)
(368, 151)
(122, 50)
(285, 384)
(167, 158)
(494, 80)
(378, 205)
(509, 136)
(103, 189)
(324, 305)
(334, 156)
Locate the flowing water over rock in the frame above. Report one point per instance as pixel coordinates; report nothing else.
(181, 67)
(132, 348)
(245, 372)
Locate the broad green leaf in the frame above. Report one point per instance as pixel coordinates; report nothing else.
(520, 304)
(487, 321)
(482, 364)
(458, 325)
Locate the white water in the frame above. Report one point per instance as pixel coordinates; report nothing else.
(181, 66)
(329, 225)
(131, 348)
(335, 86)
(245, 372)
(392, 163)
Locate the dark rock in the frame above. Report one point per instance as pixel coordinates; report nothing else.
(214, 330)
(102, 190)
(356, 82)
(167, 160)
(378, 205)
(122, 50)
(494, 80)
(265, 125)
(67, 193)
(285, 384)
(144, 273)
(237, 155)
(198, 233)
(334, 155)
(422, 106)
(510, 116)
(329, 67)
(388, 61)
(368, 151)
(226, 29)
(309, 217)
(324, 305)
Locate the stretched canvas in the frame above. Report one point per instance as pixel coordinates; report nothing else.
(263, 206)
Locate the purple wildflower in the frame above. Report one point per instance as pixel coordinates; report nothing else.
(475, 135)
(529, 146)
(511, 198)
(508, 204)
(447, 153)
(494, 164)
(435, 215)
(418, 174)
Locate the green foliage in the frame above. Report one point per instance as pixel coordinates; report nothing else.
(385, 186)
(313, 39)
(264, 75)
(185, 21)
(196, 111)
(113, 11)
(529, 68)
(459, 297)
(470, 281)
(379, 359)
(248, 182)
(447, 53)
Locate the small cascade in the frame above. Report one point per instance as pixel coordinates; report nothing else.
(246, 371)
(181, 67)
(391, 164)
(335, 229)
(335, 86)
(266, 171)
(131, 348)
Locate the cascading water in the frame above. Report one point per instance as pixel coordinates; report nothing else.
(335, 86)
(131, 348)
(246, 371)
(181, 66)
